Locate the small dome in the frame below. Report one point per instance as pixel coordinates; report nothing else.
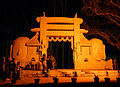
(20, 49)
(97, 41)
(97, 48)
(21, 39)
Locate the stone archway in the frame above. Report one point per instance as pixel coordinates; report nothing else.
(66, 29)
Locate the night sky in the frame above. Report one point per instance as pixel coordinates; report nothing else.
(17, 17)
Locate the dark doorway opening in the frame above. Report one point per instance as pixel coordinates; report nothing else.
(63, 54)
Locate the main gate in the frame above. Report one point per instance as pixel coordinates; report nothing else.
(63, 54)
(86, 54)
(60, 29)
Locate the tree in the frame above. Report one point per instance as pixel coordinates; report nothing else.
(103, 19)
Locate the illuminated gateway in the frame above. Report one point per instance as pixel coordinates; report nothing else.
(86, 54)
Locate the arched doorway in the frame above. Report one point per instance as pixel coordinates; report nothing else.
(63, 54)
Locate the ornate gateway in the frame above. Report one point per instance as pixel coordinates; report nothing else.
(87, 54)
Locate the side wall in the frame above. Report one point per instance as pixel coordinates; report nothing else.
(92, 56)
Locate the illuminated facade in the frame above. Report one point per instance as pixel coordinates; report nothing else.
(87, 54)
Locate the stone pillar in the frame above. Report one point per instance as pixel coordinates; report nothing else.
(76, 40)
(43, 37)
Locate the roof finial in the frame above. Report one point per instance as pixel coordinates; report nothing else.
(43, 14)
(76, 15)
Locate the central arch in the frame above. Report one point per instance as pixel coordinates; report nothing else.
(62, 49)
(63, 54)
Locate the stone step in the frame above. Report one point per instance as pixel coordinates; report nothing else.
(67, 72)
(30, 73)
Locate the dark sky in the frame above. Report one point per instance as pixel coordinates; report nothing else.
(17, 17)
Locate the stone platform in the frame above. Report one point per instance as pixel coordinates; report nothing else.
(65, 76)
(83, 73)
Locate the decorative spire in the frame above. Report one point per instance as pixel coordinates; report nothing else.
(43, 14)
(76, 15)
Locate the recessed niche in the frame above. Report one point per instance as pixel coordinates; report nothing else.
(85, 60)
(59, 37)
(54, 37)
(69, 38)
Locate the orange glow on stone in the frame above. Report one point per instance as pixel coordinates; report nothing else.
(87, 54)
